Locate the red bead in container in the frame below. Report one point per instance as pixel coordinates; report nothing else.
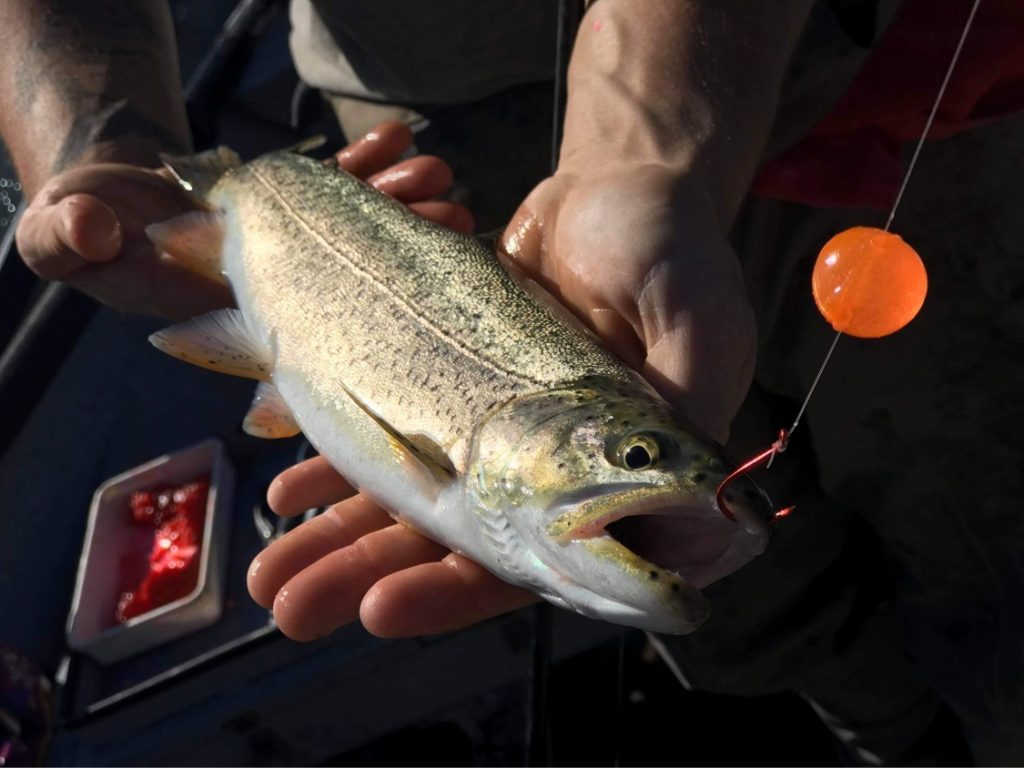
(155, 554)
(175, 516)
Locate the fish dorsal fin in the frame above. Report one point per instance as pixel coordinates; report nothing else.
(419, 454)
(307, 145)
(490, 239)
(219, 341)
(195, 239)
(269, 416)
(198, 173)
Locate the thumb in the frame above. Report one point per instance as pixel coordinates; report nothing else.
(704, 367)
(56, 239)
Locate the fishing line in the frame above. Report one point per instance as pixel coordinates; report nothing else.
(538, 734)
(782, 442)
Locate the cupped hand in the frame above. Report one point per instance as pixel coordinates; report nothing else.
(355, 562)
(86, 226)
(638, 253)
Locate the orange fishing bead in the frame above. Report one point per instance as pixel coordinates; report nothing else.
(868, 282)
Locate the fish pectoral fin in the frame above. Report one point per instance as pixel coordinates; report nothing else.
(431, 455)
(269, 416)
(195, 239)
(422, 458)
(429, 478)
(198, 173)
(219, 341)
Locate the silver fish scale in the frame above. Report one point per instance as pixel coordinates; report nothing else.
(420, 323)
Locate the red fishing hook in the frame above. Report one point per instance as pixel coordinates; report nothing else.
(765, 457)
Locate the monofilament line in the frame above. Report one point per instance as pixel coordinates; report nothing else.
(892, 213)
(899, 198)
(931, 117)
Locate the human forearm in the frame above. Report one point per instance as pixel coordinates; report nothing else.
(688, 84)
(89, 80)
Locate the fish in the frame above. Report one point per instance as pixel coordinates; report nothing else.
(455, 392)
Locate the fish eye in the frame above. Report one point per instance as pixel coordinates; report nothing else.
(638, 452)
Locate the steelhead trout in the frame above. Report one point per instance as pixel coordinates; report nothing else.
(454, 394)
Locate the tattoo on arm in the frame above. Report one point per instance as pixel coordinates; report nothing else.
(113, 121)
(109, 68)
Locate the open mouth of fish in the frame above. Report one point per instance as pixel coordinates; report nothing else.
(663, 532)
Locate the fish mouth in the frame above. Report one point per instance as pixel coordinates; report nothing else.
(670, 535)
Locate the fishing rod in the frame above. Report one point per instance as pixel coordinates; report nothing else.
(538, 735)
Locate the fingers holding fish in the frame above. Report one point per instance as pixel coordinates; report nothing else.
(328, 593)
(376, 159)
(338, 527)
(437, 597)
(451, 215)
(86, 227)
(418, 178)
(313, 483)
(375, 151)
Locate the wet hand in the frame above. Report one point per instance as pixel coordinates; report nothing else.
(355, 562)
(639, 255)
(86, 227)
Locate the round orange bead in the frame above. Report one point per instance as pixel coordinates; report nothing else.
(868, 282)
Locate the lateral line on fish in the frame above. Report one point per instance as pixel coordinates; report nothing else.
(438, 332)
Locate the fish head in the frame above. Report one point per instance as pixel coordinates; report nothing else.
(613, 499)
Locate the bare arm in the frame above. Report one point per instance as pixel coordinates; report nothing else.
(88, 81)
(670, 104)
(93, 94)
(688, 84)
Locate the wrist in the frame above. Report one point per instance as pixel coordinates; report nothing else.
(92, 140)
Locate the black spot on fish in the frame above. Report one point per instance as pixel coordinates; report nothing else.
(653, 575)
(675, 587)
(700, 477)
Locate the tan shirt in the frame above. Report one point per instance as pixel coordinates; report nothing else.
(415, 52)
(418, 52)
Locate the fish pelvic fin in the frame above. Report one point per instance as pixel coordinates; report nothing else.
(195, 239)
(198, 173)
(269, 416)
(218, 341)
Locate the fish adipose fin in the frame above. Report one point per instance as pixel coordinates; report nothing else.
(219, 341)
(269, 416)
(198, 173)
(195, 239)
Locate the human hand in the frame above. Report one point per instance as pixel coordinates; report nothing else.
(86, 226)
(637, 252)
